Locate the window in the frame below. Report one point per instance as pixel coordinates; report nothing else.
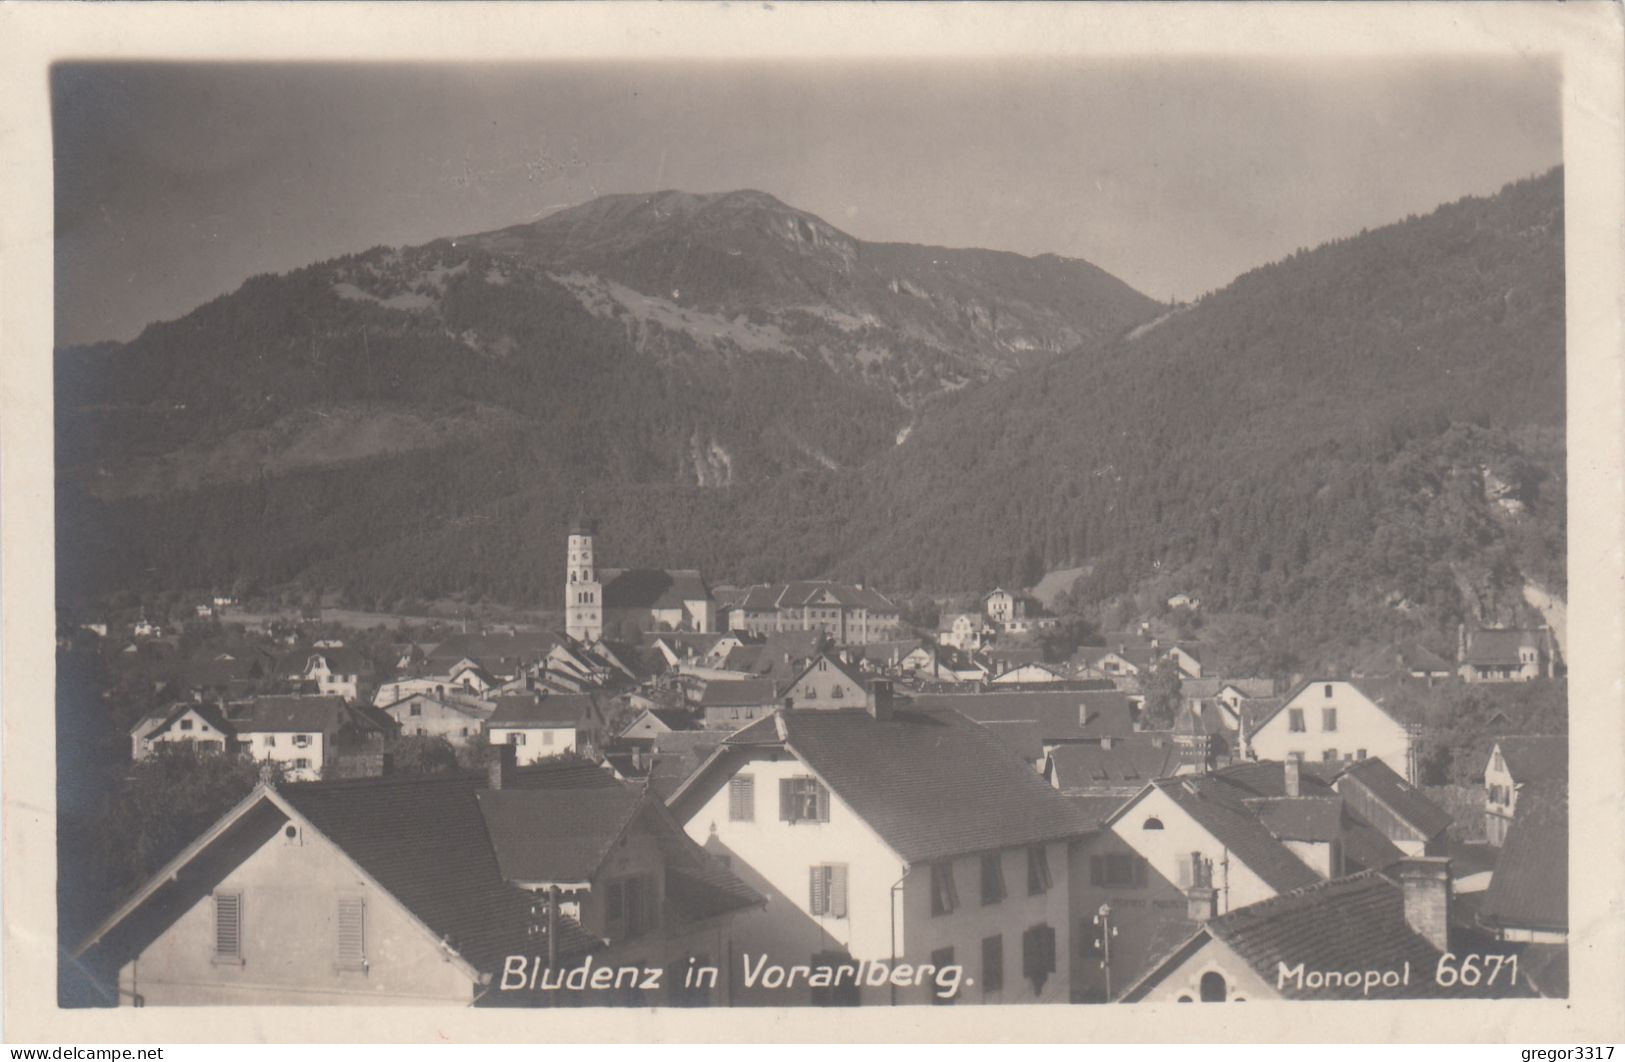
(301, 741)
(547, 737)
(1329, 756)
(944, 896)
(1359, 754)
(1038, 879)
(301, 764)
(416, 709)
(838, 692)
(631, 907)
(1212, 986)
(1038, 955)
(1295, 720)
(228, 927)
(810, 694)
(845, 992)
(1328, 719)
(1117, 870)
(803, 800)
(742, 799)
(1153, 823)
(270, 741)
(942, 957)
(186, 724)
(827, 890)
(352, 933)
(516, 738)
(992, 964)
(992, 878)
(1328, 689)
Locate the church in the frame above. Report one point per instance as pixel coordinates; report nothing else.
(622, 602)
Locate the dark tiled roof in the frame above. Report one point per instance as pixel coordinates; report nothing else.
(1530, 886)
(1500, 648)
(1303, 818)
(495, 650)
(675, 718)
(764, 597)
(851, 673)
(209, 713)
(1056, 712)
(1128, 762)
(555, 837)
(932, 784)
(1222, 811)
(1367, 848)
(1378, 781)
(425, 841)
(652, 587)
(1023, 737)
(309, 714)
(734, 693)
(1536, 758)
(1095, 808)
(1353, 923)
(555, 709)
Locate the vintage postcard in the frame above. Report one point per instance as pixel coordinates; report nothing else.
(643, 522)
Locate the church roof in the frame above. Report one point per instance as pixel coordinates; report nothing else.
(652, 587)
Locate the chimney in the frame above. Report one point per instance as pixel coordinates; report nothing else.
(1106, 742)
(1290, 770)
(1426, 883)
(879, 700)
(500, 771)
(1201, 903)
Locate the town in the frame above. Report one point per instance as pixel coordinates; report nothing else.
(796, 794)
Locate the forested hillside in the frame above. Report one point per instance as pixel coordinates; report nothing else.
(1361, 440)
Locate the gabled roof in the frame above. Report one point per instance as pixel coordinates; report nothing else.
(1535, 758)
(1500, 648)
(931, 784)
(496, 651)
(1125, 763)
(324, 714)
(765, 597)
(1377, 781)
(551, 710)
(207, 712)
(1530, 886)
(1374, 690)
(1055, 712)
(738, 693)
(652, 587)
(474, 709)
(1302, 818)
(556, 837)
(850, 673)
(1352, 923)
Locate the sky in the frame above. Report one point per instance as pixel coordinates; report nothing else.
(175, 183)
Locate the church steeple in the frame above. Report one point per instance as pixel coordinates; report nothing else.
(583, 595)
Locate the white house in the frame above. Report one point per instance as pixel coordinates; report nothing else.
(1515, 762)
(200, 725)
(539, 727)
(308, 736)
(460, 721)
(298, 897)
(894, 839)
(1333, 721)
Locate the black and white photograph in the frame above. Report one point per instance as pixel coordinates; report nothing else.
(656, 533)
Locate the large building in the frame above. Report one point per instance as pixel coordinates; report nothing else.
(629, 601)
(848, 614)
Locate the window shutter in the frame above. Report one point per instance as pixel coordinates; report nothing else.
(1139, 873)
(823, 801)
(352, 931)
(787, 800)
(816, 898)
(228, 925)
(837, 890)
(1097, 870)
(1184, 871)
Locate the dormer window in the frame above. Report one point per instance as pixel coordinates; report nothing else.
(1328, 689)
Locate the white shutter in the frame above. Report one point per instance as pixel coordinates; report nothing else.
(837, 890)
(228, 925)
(817, 898)
(352, 932)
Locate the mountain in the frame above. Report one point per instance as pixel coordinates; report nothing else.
(1360, 442)
(635, 341)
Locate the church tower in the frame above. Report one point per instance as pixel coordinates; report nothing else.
(583, 596)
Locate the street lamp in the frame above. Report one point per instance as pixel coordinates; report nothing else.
(1103, 919)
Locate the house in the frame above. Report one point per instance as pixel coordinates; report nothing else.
(965, 631)
(484, 888)
(1244, 834)
(1414, 824)
(1000, 606)
(826, 682)
(888, 839)
(459, 720)
(1409, 662)
(312, 737)
(1031, 674)
(1515, 762)
(203, 726)
(728, 704)
(1528, 897)
(1183, 600)
(542, 725)
(503, 654)
(1131, 655)
(657, 599)
(1114, 767)
(336, 671)
(1506, 655)
(846, 613)
(1334, 721)
(1373, 935)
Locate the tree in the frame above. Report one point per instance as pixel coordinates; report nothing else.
(424, 754)
(1163, 692)
(167, 800)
